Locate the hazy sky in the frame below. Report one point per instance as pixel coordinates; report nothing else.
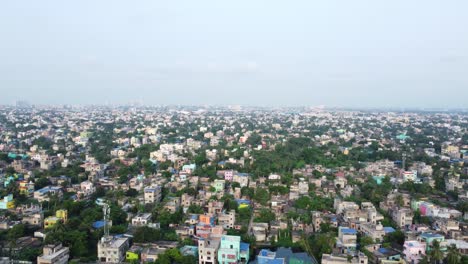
(399, 53)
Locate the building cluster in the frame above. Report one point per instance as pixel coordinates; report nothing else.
(209, 183)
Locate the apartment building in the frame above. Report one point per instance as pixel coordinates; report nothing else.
(54, 254)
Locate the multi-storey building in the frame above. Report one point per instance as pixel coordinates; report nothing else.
(232, 250)
(208, 250)
(54, 254)
(112, 249)
(152, 194)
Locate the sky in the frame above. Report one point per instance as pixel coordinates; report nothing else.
(360, 53)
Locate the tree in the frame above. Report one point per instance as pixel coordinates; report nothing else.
(254, 140)
(265, 216)
(436, 253)
(453, 256)
(365, 241)
(195, 209)
(15, 232)
(262, 196)
(248, 191)
(146, 234)
(425, 260)
(131, 192)
(245, 213)
(397, 237)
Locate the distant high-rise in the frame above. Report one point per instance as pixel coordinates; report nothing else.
(23, 104)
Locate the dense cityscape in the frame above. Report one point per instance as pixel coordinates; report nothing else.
(232, 184)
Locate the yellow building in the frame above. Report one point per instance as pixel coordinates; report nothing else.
(26, 188)
(60, 216)
(63, 214)
(7, 202)
(133, 254)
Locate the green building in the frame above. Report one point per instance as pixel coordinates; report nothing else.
(133, 254)
(429, 238)
(231, 250)
(219, 185)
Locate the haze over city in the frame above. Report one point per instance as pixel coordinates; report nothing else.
(275, 53)
(234, 132)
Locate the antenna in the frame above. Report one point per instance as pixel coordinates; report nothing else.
(403, 165)
(106, 211)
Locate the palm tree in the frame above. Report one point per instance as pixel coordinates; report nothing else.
(453, 256)
(58, 227)
(424, 260)
(436, 252)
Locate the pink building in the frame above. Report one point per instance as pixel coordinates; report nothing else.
(228, 175)
(414, 251)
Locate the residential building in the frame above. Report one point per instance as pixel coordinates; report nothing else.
(331, 259)
(141, 219)
(54, 254)
(152, 194)
(219, 185)
(402, 216)
(112, 249)
(7, 202)
(232, 250)
(60, 216)
(347, 240)
(35, 219)
(227, 220)
(208, 250)
(44, 194)
(429, 238)
(284, 256)
(413, 251)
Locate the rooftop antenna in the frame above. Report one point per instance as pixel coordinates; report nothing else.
(403, 164)
(106, 211)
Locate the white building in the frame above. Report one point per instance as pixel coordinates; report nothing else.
(54, 254)
(112, 250)
(141, 219)
(208, 250)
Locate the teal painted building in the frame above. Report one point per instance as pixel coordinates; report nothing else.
(378, 179)
(232, 250)
(429, 238)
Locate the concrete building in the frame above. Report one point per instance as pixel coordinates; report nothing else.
(284, 256)
(403, 217)
(413, 251)
(112, 249)
(208, 250)
(330, 259)
(227, 220)
(347, 240)
(60, 216)
(152, 194)
(35, 219)
(141, 220)
(232, 250)
(54, 254)
(376, 232)
(45, 193)
(219, 185)
(7, 202)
